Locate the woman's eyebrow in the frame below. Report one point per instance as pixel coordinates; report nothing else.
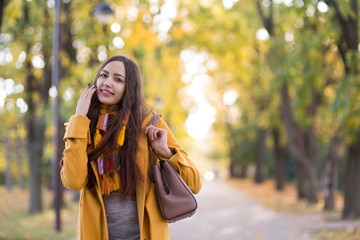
(116, 74)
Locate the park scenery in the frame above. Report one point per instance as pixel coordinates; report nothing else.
(264, 95)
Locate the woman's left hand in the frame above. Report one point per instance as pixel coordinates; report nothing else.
(158, 139)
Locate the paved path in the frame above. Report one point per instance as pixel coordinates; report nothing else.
(226, 213)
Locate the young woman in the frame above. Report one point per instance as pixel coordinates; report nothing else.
(106, 157)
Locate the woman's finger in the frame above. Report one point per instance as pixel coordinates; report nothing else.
(154, 133)
(85, 90)
(158, 133)
(85, 100)
(147, 129)
(150, 132)
(90, 92)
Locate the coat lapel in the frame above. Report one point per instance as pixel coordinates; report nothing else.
(100, 198)
(142, 161)
(94, 167)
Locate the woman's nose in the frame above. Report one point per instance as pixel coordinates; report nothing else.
(107, 82)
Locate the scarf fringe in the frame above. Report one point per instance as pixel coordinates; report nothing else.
(121, 137)
(109, 183)
(97, 137)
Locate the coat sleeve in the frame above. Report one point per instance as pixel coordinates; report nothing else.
(74, 170)
(181, 162)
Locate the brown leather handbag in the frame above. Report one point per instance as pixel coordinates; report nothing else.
(175, 199)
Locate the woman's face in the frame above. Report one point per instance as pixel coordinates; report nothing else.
(111, 83)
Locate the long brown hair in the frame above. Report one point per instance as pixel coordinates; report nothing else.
(132, 102)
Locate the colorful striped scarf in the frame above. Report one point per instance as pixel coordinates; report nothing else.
(109, 178)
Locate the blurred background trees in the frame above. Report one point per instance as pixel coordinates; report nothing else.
(266, 88)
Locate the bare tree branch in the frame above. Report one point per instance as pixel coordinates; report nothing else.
(267, 21)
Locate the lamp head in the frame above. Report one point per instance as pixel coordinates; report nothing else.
(103, 13)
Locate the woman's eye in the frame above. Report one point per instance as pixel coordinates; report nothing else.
(102, 75)
(118, 80)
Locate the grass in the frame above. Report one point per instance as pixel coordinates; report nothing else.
(286, 202)
(17, 223)
(347, 234)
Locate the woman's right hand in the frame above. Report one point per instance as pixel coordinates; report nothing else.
(84, 101)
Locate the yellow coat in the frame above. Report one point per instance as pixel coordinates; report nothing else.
(92, 222)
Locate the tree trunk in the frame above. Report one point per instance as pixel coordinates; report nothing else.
(330, 173)
(8, 178)
(302, 146)
(243, 170)
(300, 175)
(296, 135)
(35, 129)
(348, 48)
(352, 182)
(35, 119)
(280, 160)
(260, 155)
(280, 171)
(232, 169)
(307, 183)
(3, 4)
(19, 155)
(311, 185)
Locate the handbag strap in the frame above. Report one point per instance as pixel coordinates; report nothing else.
(153, 121)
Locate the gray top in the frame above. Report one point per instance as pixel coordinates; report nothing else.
(122, 217)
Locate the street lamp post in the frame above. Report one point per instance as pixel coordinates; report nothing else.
(55, 84)
(104, 14)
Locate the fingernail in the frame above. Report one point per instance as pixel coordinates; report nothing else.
(88, 84)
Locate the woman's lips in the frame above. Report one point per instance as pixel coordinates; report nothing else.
(106, 92)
